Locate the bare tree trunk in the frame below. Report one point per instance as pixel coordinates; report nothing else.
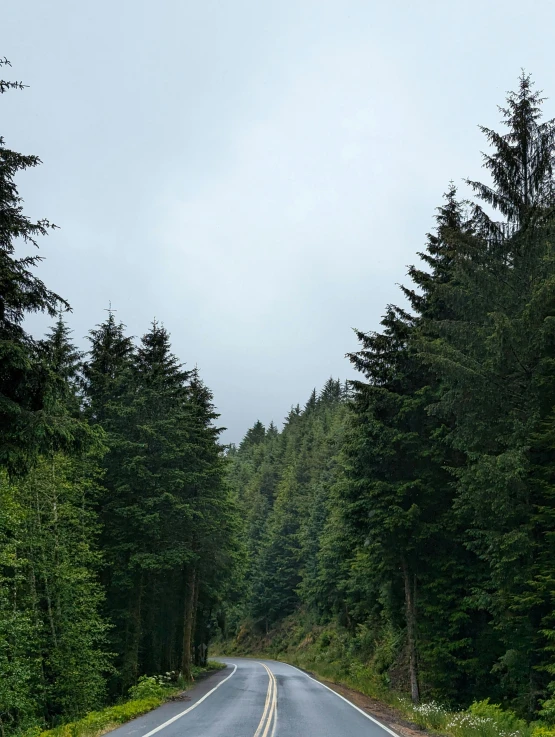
(188, 617)
(130, 669)
(44, 575)
(194, 625)
(410, 609)
(347, 617)
(57, 556)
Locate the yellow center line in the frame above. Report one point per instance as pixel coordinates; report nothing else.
(273, 708)
(266, 705)
(270, 707)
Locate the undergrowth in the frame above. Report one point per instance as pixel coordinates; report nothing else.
(149, 693)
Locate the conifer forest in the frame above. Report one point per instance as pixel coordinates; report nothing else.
(404, 520)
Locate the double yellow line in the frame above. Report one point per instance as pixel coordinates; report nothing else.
(269, 716)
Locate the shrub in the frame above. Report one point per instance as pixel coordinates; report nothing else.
(505, 722)
(151, 687)
(542, 730)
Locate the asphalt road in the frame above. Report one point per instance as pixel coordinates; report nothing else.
(253, 698)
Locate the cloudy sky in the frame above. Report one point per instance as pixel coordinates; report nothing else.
(257, 174)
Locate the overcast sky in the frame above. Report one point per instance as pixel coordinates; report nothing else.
(255, 174)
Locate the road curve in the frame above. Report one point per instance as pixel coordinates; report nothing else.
(257, 698)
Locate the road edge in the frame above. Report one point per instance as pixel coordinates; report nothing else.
(343, 698)
(193, 706)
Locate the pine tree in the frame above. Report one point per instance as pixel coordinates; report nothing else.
(277, 573)
(254, 435)
(146, 473)
(284, 486)
(397, 504)
(215, 530)
(106, 372)
(521, 165)
(26, 426)
(491, 351)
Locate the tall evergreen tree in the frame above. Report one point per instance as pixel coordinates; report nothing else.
(493, 351)
(521, 165)
(26, 425)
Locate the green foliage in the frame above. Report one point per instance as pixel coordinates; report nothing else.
(98, 722)
(147, 687)
(542, 730)
(54, 640)
(284, 481)
(82, 534)
(170, 527)
(149, 693)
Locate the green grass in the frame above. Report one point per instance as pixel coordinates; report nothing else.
(148, 694)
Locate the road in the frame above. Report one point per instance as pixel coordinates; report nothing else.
(253, 698)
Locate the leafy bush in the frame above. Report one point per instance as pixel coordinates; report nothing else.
(150, 687)
(482, 719)
(547, 711)
(543, 730)
(97, 722)
(505, 722)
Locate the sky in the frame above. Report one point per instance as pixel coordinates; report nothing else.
(257, 175)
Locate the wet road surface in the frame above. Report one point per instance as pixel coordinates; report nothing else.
(257, 698)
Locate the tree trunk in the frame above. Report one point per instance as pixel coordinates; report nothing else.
(130, 669)
(44, 574)
(410, 609)
(194, 625)
(188, 617)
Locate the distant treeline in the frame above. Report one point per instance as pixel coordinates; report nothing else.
(417, 509)
(118, 533)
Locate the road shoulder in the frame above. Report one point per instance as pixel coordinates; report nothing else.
(386, 715)
(174, 706)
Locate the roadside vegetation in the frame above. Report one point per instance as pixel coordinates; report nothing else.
(149, 693)
(332, 655)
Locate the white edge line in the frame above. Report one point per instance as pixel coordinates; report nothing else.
(364, 714)
(194, 706)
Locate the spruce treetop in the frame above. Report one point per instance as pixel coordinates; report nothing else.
(20, 291)
(254, 435)
(63, 362)
(25, 424)
(109, 347)
(156, 360)
(521, 165)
